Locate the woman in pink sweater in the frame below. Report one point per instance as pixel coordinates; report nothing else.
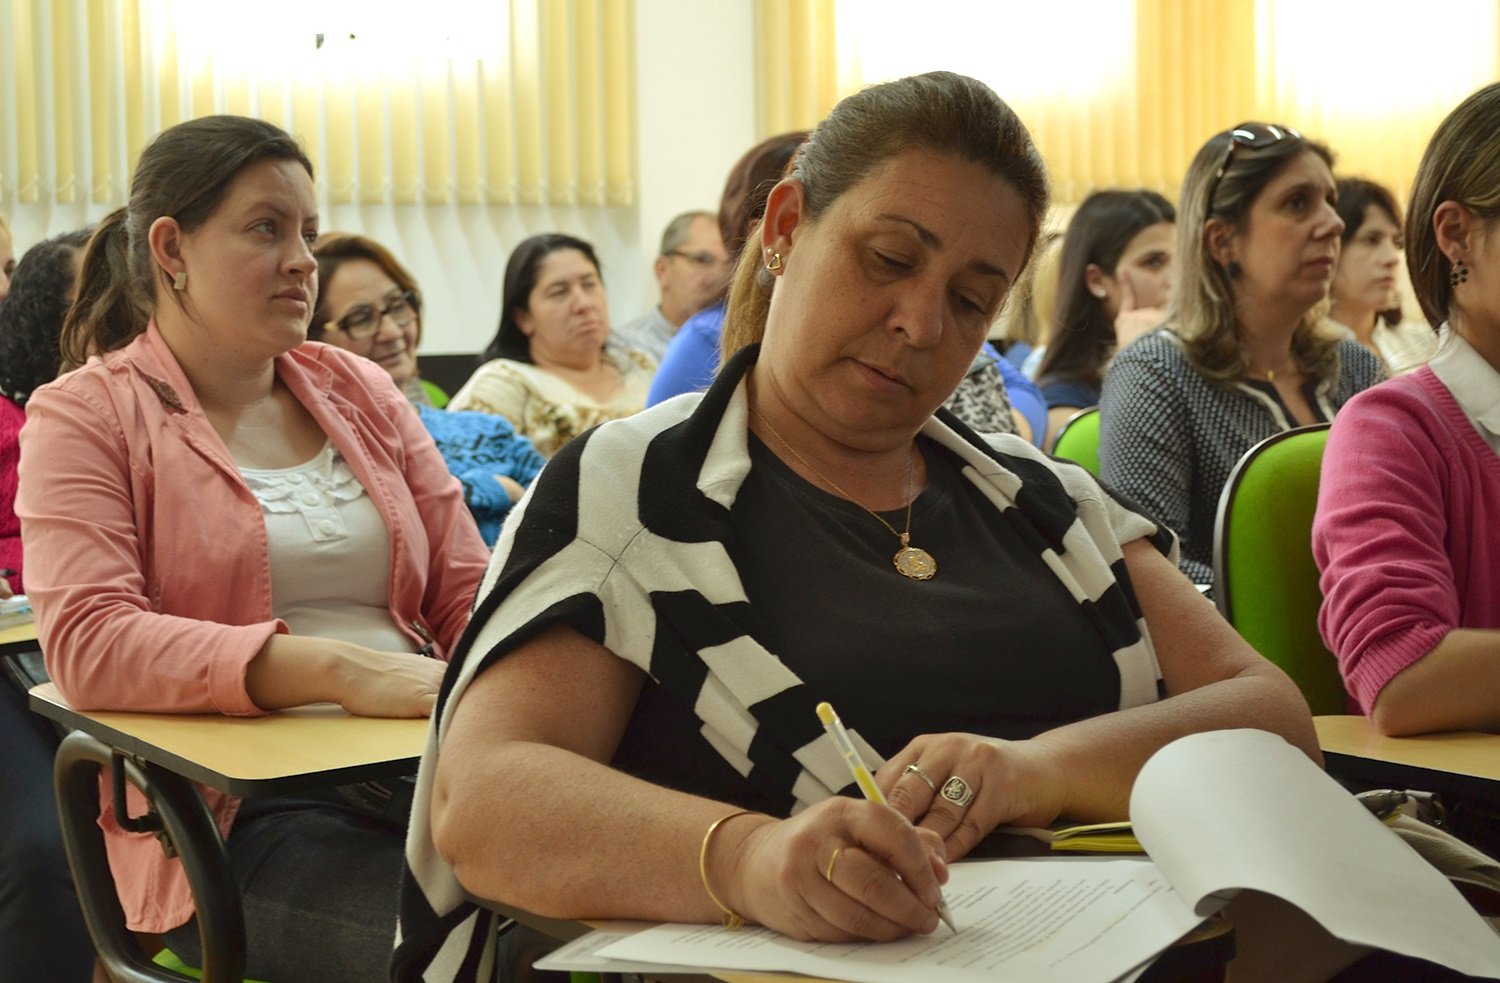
(1408, 528)
(220, 516)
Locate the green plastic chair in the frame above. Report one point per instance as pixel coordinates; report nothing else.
(1265, 580)
(1078, 440)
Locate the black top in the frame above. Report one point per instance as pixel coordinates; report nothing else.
(905, 657)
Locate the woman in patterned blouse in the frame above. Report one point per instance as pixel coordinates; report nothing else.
(549, 370)
(1243, 354)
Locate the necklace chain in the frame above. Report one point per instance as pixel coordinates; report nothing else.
(911, 561)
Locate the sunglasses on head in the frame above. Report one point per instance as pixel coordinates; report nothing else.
(1252, 136)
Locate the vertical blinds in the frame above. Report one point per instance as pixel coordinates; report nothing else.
(509, 102)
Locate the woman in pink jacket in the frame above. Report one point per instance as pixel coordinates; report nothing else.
(219, 516)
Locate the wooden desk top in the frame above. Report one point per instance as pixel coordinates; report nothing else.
(287, 751)
(22, 636)
(1461, 752)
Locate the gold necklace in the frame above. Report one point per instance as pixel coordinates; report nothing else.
(911, 561)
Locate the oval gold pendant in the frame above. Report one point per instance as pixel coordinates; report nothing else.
(914, 562)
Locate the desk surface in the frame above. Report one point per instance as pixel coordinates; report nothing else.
(17, 637)
(283, 752)
(1462, 763)
(1460, 752)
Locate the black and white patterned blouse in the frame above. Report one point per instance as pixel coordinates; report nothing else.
(625, 537)
(1169, 436)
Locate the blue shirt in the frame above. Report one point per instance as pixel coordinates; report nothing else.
(692, 356)
(477, 447)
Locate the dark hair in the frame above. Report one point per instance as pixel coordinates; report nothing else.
(520, 279)
(1202, 310)
(184, 173)
(1462, 164)
(1356, 195)
(749, 185)
(1083, 335)
(31, 316)
(334, 249)
(939, 112)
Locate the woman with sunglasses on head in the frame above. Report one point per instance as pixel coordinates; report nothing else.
(550, 369)
(1407, 533)
(1244, 353)
(220, 517)
(1114, 277)
(1366, 301)
(369, 304)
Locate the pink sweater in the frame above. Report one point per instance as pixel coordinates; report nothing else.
(1407, 534)
(148, 562)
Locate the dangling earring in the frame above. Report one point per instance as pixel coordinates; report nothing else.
(1459, 273)
(774, 264)
(179, 280)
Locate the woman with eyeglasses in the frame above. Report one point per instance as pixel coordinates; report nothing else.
(370, 305)
(1245, 353)
(549, 370)
(1366, 301)
(219, 517)
(1407, 533)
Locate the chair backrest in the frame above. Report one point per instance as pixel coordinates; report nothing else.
(1078, 440)
(1265, 579)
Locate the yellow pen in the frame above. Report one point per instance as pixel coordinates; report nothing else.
(865, 780)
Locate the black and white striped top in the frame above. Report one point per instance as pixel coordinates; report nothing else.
(624, 537)
(1168, 436)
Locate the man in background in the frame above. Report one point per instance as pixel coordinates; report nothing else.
(692, 270)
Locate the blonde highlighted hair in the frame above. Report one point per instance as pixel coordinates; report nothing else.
(1202, 308)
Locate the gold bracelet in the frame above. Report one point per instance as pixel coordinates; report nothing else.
(732, 919)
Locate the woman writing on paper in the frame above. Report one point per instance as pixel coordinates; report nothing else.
(814, 528)
(221, 517)
(1407, 533)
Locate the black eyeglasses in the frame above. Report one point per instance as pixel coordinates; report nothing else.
(363, 321)
(703, 260)
(1252, 136)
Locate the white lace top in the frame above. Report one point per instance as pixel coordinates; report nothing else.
(330, 552)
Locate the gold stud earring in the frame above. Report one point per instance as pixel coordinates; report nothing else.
(774, 264)
(179, 280)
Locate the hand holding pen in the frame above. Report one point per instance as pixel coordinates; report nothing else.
(866, 782)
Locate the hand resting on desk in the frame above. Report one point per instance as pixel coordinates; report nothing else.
(292, 670)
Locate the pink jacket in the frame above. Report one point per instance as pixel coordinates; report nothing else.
(1407, 533)
(147, 557)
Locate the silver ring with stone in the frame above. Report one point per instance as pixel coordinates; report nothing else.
(914, 770)
(958, 791)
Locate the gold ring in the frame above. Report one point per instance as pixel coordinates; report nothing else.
(828, 874)
(914, 770)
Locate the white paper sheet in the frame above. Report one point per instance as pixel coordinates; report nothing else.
(1018, 920)
(1244, 809)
